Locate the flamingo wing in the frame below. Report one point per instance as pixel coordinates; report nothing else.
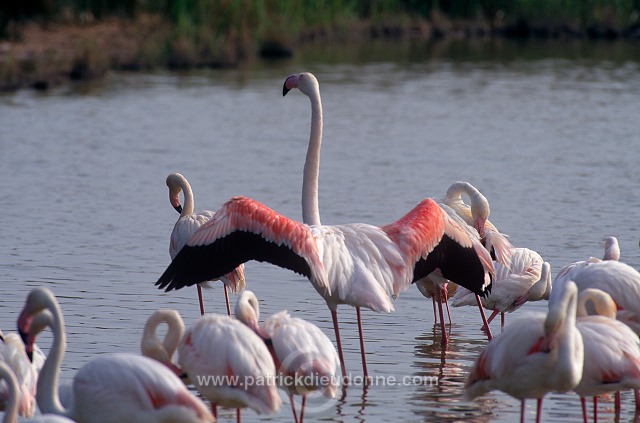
(434, 240)
(242, 230)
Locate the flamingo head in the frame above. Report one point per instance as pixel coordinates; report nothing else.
(305, 82)
(38, 323)
(248, 312)
(174, 191)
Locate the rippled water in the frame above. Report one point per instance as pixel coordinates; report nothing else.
(551, 140)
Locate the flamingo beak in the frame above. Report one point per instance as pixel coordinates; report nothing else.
(178, 208)
(289, 83)
(479, 226)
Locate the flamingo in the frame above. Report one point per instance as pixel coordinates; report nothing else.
(532, 356)
(427, 287)
(13, 355)
(528, 279)
(477, 215)
(225, 361)
(618, 279)
(611, 348)
(357, 264)
(111, 387)
(12, 404)
(301, 351)
(186, 225)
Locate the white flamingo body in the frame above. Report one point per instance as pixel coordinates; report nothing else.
(187, 224)
(218, 355)
(527, 279)
(358, 264)
(611, 348)
(111, 387)
(13, 392)
(532, 356)
(220, 346)
(305, 358)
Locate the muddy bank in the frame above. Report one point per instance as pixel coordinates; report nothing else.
(43, 57)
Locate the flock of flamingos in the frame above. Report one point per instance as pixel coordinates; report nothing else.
(587, 342)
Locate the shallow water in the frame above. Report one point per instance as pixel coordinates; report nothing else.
(551, 140)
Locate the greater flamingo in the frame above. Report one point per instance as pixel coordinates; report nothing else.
(111, 387)
(477, 215)
(225, 361)
(618, 279)
(187, 224)
(12, 403)
(357, 264)
(533, 356)
(13, 355)
(305, 357)
(611, 348)
(527, 279)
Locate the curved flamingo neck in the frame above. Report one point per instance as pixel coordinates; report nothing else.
(150, 340)
(310, 209)
(47, 394)
(11, 408)
(479, 204)
(189, 205)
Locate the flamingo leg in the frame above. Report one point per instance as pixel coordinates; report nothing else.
(214, 411)
(522, 408)
(200, 299)
(334, 317)
(238, 416)
(226, 298)
(446, 303)
(445, 339)
(362, 353)
(484, 318)
(293, 409)
(595, 409)
(617, 405)
(304, 402)
(435, 315)
(539, 410)
(494, 313)
(636, 393)
(501, 321)
(583, 403)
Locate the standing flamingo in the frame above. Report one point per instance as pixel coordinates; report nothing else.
(533, 356)
(357, 264)
(12, 403)
(611, 348)
(224, 360)
(184, 228)
(477, 215)
(301, 351)
(111, 387)
(527, 279)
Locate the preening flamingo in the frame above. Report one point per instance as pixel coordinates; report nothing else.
(111, 387)
(533, 356)
(527, 279)
(476, 215)
(305, 357)
(611, 348)
(225, 361)
(428, 288)
(187, 224)
(12, 403)
(357, 264)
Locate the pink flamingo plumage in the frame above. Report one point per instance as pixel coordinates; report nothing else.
(225, 361)
(532, 356)
(187, 224)
(357, 264)
(301, 351)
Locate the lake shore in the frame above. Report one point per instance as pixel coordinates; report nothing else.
(47, 56)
